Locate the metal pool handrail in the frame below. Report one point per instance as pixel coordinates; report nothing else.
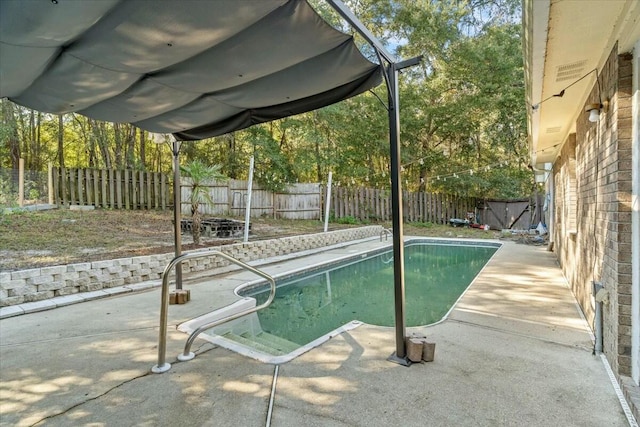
(163, 365)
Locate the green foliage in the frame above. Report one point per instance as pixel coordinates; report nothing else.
(273, 168)
(350, 220)
(200, 174)
(462, 112)
(7, 196)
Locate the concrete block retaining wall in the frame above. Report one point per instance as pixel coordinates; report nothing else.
(37, 284)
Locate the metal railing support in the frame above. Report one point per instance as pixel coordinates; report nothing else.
(163, 365)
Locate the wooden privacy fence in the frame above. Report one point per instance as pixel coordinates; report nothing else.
(307, 201)
(130, 189)
(111, 188)
(375, 205)
(296, 201)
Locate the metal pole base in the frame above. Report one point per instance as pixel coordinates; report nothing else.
(184, 357)
(161, 369)
(399, 360)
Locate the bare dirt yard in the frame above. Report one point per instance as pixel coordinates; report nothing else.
(30, 239)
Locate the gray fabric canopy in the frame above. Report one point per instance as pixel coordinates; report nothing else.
(193, 68)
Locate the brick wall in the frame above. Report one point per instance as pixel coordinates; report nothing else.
(621, 313)
(38, 284)
(600, 248)
(570, 223)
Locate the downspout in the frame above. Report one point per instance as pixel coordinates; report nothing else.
(600, 295)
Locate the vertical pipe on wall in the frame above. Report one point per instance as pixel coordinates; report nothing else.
(598, 331)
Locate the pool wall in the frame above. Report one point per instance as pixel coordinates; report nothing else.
(351, 258)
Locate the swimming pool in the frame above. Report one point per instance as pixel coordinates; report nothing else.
(312, 306)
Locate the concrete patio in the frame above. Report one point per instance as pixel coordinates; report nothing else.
(515, 351)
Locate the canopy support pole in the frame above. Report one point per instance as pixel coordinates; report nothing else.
(400, 355)
(391, 77)
(177, 207)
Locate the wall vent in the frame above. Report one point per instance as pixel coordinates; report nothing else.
(572, 71)
(555, 129)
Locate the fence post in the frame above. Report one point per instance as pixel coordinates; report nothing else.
(56, 185)
(163, 191)
(80, 186)
(89, 187)
(50, 182)
(247, 213)
(328, 203)
(129, 197)
(21, 182)
(96, 187)
(119, 185)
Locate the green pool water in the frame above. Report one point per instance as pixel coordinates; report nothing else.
(308, 307)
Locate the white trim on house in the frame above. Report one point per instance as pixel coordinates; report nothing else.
(635, 218)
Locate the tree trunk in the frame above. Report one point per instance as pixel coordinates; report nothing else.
(158, 160)
(98, 132)
(118, 146)
(130, 138)
(318, 161)
(233, 167)
(36, 160)
(60, 140)
(196, 222)
(422, 187)
(13, 141)
(30, 142)
(143, 154)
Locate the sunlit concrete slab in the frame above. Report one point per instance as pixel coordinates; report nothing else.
(480, 377)
(514, 351)
(523, 291)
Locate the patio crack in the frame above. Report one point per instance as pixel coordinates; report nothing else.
(200, 350)
(48, 417)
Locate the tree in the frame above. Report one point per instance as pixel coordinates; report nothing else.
(60, 140)
(9, 136)
(462, 110)
(199, 173)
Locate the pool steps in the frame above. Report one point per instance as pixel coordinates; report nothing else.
(245, 331)
(264, 342)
